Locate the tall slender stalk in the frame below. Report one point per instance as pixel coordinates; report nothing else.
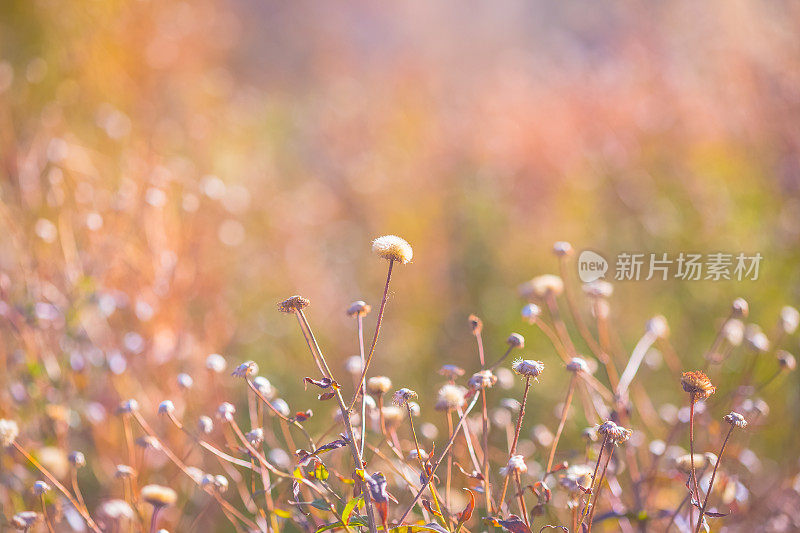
(594, 475)
(711, 482)
(561, 424)
(516, 436)
(422, 466)
(696, 488)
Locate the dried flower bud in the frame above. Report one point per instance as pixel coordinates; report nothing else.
(516, 340)
(128, 406)
(226, 411)
(221, 483)
(413, 455)
(403, 396)
(255, 436)
(658, 327)
(542, 286)
(476, 324)
(8, 432)
(124, 472)
(516, 464)
(158, 495)
(733, 331)
(148, 442)
(739, 308)
(530, 313)
(25, 520)
(614, 433)
(282, 407)
(598, 288)
(378, 385)
(205, 425)
(756, 339)
(216, 363)
(166, 407)
(293, 303)
(576, 364)
(450, 397)
(359, 308)
(577, 476)
(697, 385)
(393, 248)
(77, 459)
(482, 379)
(451, 371)
(245, 369)
(786, 360)
(790, 319)
(528, 367)
(185, 381)
(40, 487)
(735, 419)
(562, 248)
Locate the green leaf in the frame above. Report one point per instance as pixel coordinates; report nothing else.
(351, 505)
(282, 513)
(320, 504)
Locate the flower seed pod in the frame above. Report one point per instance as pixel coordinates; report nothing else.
(733, 331)
(790, 319)
(658, 327)
(281, 406)
(403, 396)
(185, 381)
(735, 419)
(293, 303)
(359, 308)
(739, 308)
(245, 369)
(528, 368)
(530, 313)
(451, 371)
(226, 411)
(166, 407)
(562, 248)
(40, 487)
(786, 360)
(8, 432)
(515, 340)
(128, 406)
(148, 442)
(541, 286)
(516, 464)
(450, 397)
(755, 339)
(378, 385)
(482, 379)
(216, 363)
(158, 495)
(25, 520)
(205, 425)
(697, 385)
(77, 459)
(393, 248)
(124, 472)
(614, 433)
(255, 437)
(475, 324)
(221, 483)
(576, 364)
(263, 386)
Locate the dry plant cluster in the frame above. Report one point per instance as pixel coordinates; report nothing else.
(492, 461)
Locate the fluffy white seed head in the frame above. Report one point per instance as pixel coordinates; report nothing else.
(216, 363)
(8, 432)
(393, 248)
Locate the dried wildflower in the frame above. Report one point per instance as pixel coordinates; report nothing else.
(530, 313)
(528, 368)
(790, 319)
(393, 248)
(263, 386)
(8, 432)
(359, 308)
(697, 385)
(482, 379)
(516, 463)
(77, 459)
(378, 385)
(614, 433)
(413, 455)
(450, 397)
(739, 308)
(403, 396)
(128, 406)
(166, 407)
(158, 495)
(216, 363)
(205, 424)
(475, 324)
(116, 510)
(576, 364)
(255, 436)
(735, 419)
(562, 248)
(515, 340)
(25, 520)
(542, 286)
(598, 288)
(124, 472)
(245, 369)
(293, 303)
(451, 371)
(786, 360)
(40, 487)
(658, 327)
(226, 411)
(185, 381)
(393, 416)
(148, 442)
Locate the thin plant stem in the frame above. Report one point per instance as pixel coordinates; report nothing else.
(521, 498)
(561, 424)
(363, 377)
(154, 519)
(711, 482)
(594, 475)
(696, 494)
(487, 487)
(517, 429)
(360, 321)
(558, 323)
(502, 358)
(422, 466)
(599, 487)
(449, 462)
(46, 516)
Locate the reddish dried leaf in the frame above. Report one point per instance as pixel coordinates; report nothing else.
(431, 509)
(514, 524)
(466, 514)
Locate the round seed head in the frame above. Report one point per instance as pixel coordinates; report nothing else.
(226, 411)
(378, 385)
(282, 407)
(263, 386)
(393, 416)
(293, 303)
(8, 432)
(216, 363)
(516, 340)
(414, 408)
(359, 308)
(475, 324)
(221, 483)
(790, 319)
(598, 288)
(451, 371)
(528, 367)
(255, 436)
(516, 463)
(735, 419)
(124, 472)
(166, 407)
(40, 487)
(245, 369)
(148, 442)
(542, 286)
(205, 425)
(614, 433)
(755, 338)
(739, 308)
(697, 385)
(733, 330)
(658, 327)
(403, 396)
(576, 364)
(159, 495)
(482, 379)
(786, 360)
(530, 313)
(393, 248)
(562, 248)
(77, 459)
(353, 365)
(450, 397)
(25, 520)
(185, 381)
(128, 406)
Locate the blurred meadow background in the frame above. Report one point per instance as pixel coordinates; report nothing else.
(170, 170)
